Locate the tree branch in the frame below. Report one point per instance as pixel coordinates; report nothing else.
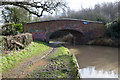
(39, 7)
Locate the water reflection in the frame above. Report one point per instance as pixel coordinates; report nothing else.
(104, 60)
(90, 72)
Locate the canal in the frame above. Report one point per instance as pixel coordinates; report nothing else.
(96, 61)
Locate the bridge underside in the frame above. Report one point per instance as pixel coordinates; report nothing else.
(68, 35)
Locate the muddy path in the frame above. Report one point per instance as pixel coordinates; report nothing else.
(41, 62)
(28, 65)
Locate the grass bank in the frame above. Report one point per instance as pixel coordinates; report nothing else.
(62, 64)
(14, 59)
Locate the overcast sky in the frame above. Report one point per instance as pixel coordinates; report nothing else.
(77, 4)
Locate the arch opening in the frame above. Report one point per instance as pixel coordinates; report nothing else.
(68, 35)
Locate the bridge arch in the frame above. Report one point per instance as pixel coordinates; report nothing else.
(78, 36)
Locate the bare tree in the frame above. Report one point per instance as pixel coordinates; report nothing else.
(105, 12)
(37, 8)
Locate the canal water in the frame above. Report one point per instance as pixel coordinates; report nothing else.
(96, 61)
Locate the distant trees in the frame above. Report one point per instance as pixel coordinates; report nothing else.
(45, 17)
(105, 12)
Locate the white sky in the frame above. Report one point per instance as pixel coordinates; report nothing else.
(77, 4)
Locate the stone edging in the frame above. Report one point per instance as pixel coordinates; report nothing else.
(77, 65)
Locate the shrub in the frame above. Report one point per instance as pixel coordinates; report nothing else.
(11, 29)
(113, 29)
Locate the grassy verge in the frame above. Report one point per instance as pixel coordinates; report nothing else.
(61, 65)
(11, 60)
(0, 57)
(0, 68)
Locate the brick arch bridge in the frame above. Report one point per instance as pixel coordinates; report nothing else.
(42, 30)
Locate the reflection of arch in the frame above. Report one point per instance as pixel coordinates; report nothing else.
(80, 37)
